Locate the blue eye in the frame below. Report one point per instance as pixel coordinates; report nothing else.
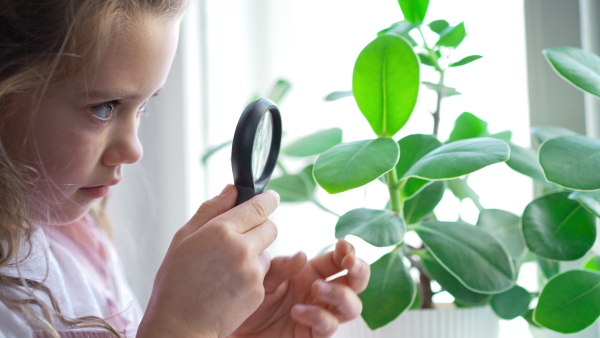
(103, 111)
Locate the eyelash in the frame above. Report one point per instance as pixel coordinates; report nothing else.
(112, 105)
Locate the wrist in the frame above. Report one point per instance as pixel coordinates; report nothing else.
(162, 327)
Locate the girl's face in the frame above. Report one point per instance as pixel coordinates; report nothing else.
(81, 134)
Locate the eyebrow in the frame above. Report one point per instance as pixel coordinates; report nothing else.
(113, 95)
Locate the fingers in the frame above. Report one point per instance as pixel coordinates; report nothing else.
(358, 275)
(343, 258)
(330, 263)
(282, 269)
(317, 322)
(261, 236)
(249, 214)
(341, 300)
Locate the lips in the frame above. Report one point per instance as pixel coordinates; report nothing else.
(99, 191)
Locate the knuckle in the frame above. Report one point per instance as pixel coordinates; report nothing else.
(259, 208)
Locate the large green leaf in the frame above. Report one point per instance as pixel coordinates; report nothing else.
(467, 126)
(294, 188)
(385, 83)
(452, 36)
(558, 228)
(525, 161)
(423, 203)
(570, 302)
(413, 148)
(351, 165)
(572, 161)
(459, 158)
(376, 227)
(414, 10)
(391, 291)
(589, 199)
(507, 227)
(544, 133)
(470, 254)
(577, 66)
(592, 264)
(448, 282)
(315, 143)
(512, 303)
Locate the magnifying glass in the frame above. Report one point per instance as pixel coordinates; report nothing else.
(255, 148)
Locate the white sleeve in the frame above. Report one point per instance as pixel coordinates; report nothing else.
(11, 325)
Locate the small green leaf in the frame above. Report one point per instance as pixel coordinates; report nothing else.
(525, 161)
(414, 10)
(549, 268)
(593, 263)
(414, 186)
(512, 303)
(570, 302)
(385, 83)
(279, 90)
(589, 199)
(571, 162)
(459, 158)
(426, 60)
(315, 143)
(448, 282)
(294, 188)
(438, 26)
(466, 60)
(461, 189)
(354, 164)
(424, 202)
(577, 66)
(443, 90)
(506, 227)
(210, 152)
(376, 227)
(390, 292)
(401, 28)
(338, 95)
(543, 133)
(467, 126)
(503, 135)
(452, 36)
(470, 254)
(558, 228)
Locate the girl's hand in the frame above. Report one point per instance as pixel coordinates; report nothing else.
(211, 279)
(299, 302)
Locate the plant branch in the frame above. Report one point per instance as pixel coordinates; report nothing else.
(438, 107)
(394, 189)
(424, 281)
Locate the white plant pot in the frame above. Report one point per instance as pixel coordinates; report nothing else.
(476, 322)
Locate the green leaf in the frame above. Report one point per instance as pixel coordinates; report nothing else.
(448, 282)
(528, 316)
(512, 303)
(466, 60)
(315, 143)
(376, 227)
(414, 10)
(503, 135)
(424, 202)
(459, 158)
(571, 162)
(452, 36)
(438, 26)
(210, 152)
(426, 60)
(472, 255)
(558, 228)
(354, 164)
(467, 126)
(506, 227)
(525, 161)
(294, 188)
(390, 292)
(279, 90)
(385, 83)
(443, 90)
(589, 199)
(414, 186)
(338, 95)
(578, 67)
(413, 148)
(543, 133)
(570, 302)
(401, 28)
(593, 263)
(549, 268)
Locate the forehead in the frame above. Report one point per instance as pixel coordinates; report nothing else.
(135, 62)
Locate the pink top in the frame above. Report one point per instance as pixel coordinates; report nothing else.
(81, 267)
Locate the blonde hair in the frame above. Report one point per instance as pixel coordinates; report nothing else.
(43, 44)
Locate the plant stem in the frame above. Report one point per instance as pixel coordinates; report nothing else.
(280, 165)
(394, 189)
(424, 281)
(438, 106)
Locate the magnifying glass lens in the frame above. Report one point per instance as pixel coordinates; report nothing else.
(262, 145)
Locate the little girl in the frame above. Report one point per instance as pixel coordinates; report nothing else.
(75, 76)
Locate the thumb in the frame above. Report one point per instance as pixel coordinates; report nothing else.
(282, 269)
(209, 210)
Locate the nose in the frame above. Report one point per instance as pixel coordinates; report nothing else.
(123, 146)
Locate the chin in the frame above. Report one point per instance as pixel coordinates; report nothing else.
(62, 214)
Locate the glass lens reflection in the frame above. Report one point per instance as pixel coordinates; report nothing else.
(262, 145)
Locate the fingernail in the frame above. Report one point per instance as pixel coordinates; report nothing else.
(358, 265)
(225, 190)
(324, 288)
(300, 309)
(274, 193)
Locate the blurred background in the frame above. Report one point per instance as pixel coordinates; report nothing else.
(232, 50)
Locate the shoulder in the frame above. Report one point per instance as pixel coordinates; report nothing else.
(12, 325)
